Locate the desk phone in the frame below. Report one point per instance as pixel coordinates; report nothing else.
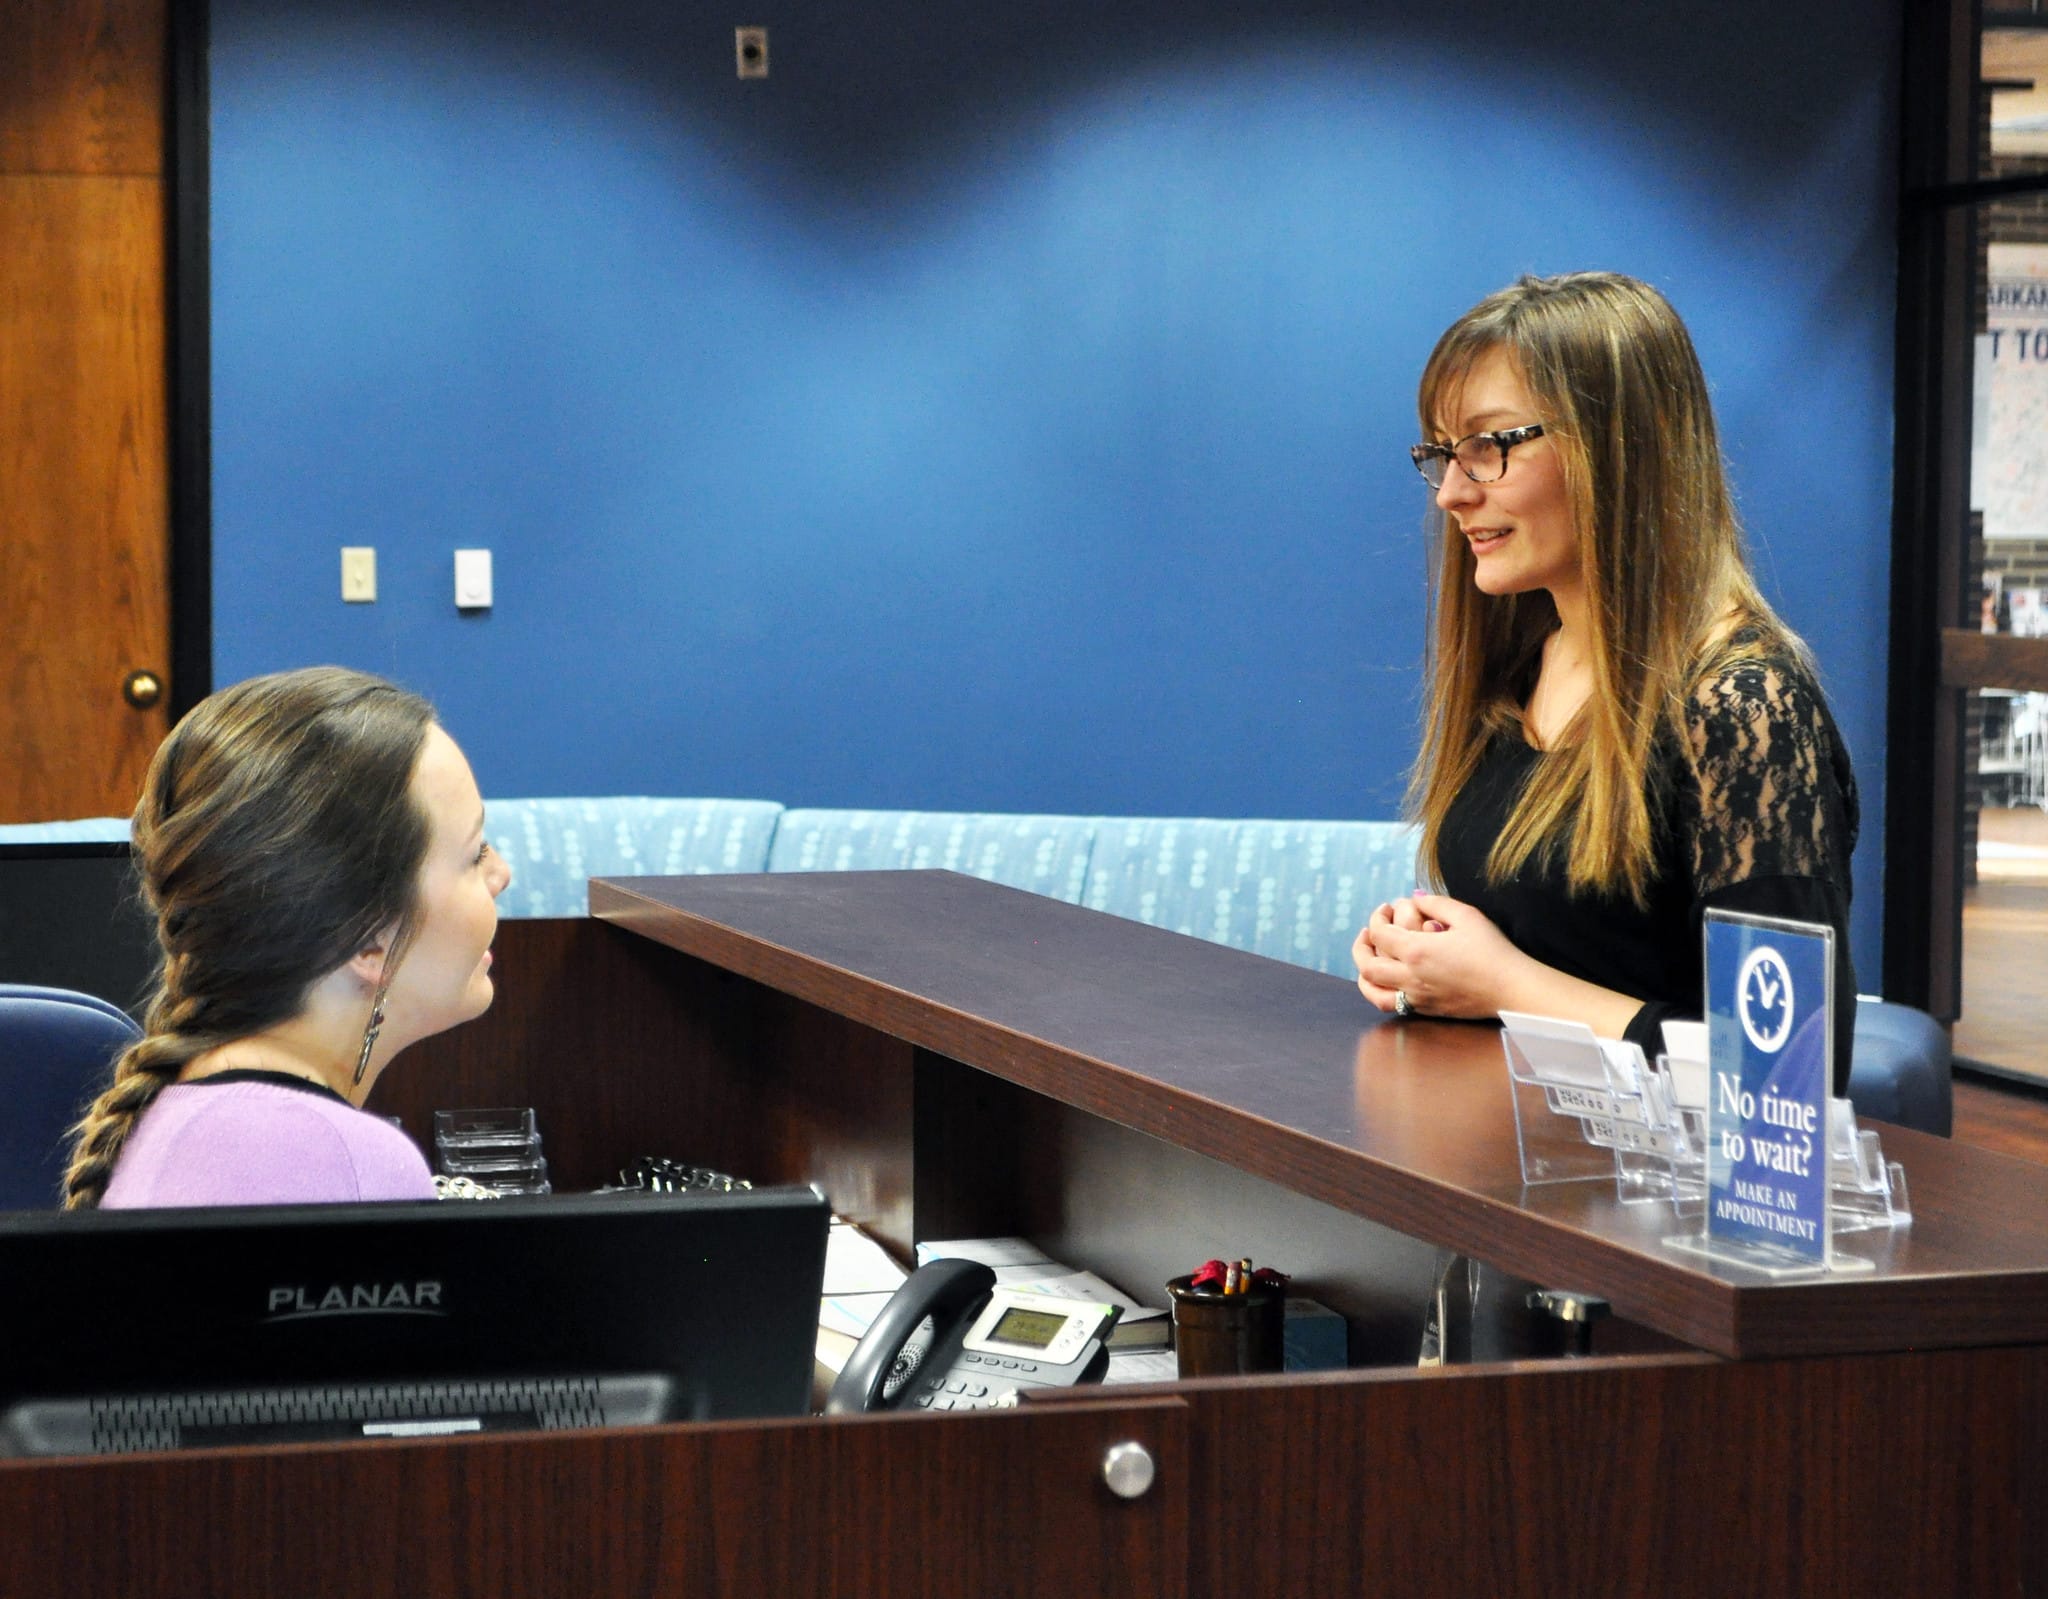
(950, 1339)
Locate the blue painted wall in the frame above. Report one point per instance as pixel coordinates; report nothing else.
(991, 411)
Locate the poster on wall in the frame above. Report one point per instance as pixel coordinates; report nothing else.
(2012, 466)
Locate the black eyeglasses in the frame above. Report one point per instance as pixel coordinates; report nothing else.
(1482, 457)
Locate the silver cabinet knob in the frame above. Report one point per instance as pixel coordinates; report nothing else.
(1128, 1468)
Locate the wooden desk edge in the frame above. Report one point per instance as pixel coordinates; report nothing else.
(1713, 1313)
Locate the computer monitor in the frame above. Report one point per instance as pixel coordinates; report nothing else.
(70, 917)
(137, 1330)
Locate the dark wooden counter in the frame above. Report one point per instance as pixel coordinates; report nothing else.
(1285, 1074)
(946, 1058)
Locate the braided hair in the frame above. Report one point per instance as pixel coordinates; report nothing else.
(276, 836)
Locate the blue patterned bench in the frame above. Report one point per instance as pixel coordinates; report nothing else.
(1045, 854)
(555, 846)
(1296, 891)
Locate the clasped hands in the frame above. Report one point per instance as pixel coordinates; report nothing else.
(1445, 956)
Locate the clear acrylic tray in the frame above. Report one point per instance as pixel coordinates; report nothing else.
(1587, 1107)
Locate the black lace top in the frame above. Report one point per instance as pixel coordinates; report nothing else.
(1755, 811)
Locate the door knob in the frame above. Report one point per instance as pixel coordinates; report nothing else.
(1128, 1469)
(142, 689)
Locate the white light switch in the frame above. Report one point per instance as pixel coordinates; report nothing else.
(358, 574)
(473, 580)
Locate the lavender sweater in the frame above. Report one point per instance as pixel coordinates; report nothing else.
(253, 1140)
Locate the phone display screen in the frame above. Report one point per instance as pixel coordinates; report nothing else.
(1029, 1329)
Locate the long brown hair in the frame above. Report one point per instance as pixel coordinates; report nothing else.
(1660, 551)
(275, 837)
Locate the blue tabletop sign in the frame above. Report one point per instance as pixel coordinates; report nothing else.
(1770, 1038)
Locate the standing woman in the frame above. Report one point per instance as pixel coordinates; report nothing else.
(312, 845)
(1620, 733)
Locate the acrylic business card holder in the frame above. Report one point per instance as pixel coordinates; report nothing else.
(498, 1147)
(1667, 1159)
(1556, 1073)
(1588, 1108)
(1868, 1191)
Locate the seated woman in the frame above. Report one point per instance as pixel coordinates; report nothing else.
(1620, 734)
(312, 845)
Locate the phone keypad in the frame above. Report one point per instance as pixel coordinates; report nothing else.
(948, 1392)
(962, 1388)
(1003, 1361)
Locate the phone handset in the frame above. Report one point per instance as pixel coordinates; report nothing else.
(987, 1344)
(947, 1292)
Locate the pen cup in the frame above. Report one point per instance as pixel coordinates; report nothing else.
(1220, 1335)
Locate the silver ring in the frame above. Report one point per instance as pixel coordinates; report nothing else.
(1403, 1006)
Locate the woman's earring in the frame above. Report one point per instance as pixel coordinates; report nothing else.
(370, 1037)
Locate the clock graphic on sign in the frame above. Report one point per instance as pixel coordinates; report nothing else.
(1763, 999)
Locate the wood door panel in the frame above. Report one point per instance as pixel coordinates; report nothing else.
(1897, 1474)
(81, 86)
(911, 1507)
(84, 588)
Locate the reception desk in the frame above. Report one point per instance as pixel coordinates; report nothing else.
(947, 1058)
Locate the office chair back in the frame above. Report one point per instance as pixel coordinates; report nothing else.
(56, 1046)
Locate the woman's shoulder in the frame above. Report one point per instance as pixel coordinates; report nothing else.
(1770, 774)
(263, 1143)
(317, 1116)
(1753, 669)
(234, 1100)
(1755, 694)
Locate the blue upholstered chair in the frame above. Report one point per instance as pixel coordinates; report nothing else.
(55, 1050)
(555, 846)
(1901, 1069)
(1045, 854)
